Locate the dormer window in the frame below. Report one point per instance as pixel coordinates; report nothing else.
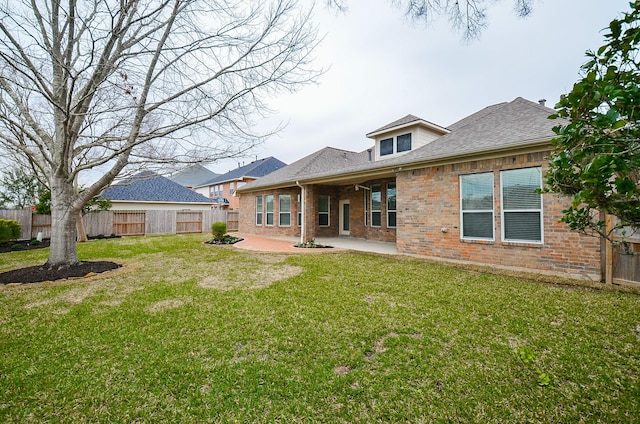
(403, 143)
(386, 147)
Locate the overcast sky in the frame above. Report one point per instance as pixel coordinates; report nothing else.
(383, 67)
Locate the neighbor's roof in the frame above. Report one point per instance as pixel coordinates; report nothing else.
(256, 169)
(193, 176)
(510, 125)
(150, 187)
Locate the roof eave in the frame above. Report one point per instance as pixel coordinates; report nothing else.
(420, 122)
(528, 146)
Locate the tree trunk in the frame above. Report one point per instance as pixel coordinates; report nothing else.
(63, 225)
(82, 231)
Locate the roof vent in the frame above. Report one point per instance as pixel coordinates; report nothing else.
(542, 102)
(369, 151)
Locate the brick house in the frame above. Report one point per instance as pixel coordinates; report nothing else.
(464, 193)
(221, 188)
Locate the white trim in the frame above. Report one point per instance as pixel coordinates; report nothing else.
(493, 207)
(341, 230)
(503, 210)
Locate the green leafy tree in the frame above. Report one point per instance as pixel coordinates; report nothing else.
(97, 203)
(20, 189)
(596, 158)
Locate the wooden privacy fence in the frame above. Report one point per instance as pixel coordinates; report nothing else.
(622, 258)
(128, 223)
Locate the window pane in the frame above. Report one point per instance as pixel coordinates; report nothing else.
(391, 219)
(376, 196)
(386, 146)
(323, 203)
(519, 188)
(391, 196)
(269, 218)
(323, 219)
(285, 219)
(404, 143)
(477, 191)
(269, 201)
(524, 226)
(376, 219)
(477, 225)
(285, 203)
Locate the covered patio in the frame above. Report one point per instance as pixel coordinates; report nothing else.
(285, 244)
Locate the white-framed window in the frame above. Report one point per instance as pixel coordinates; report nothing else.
(376, 205)
(476, 206)
(258, 210)
(268, 200)
(323, 210)
(284, 210)
(521, 205)
(299, 210)
(391, 205)
(403, 143)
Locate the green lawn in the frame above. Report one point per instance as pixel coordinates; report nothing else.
(187, 332)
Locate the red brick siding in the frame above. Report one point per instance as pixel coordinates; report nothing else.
(428, 201)
(247, 223)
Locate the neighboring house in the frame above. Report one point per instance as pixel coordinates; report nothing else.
(222, 188)
(193, 176)
(465, 193)
(150, 191)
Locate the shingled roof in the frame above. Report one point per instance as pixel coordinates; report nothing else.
(193, 176)
(150, 187)
(256, 169)
(500, 127)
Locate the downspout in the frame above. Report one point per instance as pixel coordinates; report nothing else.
(302, 226)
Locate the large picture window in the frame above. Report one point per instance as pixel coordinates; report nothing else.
(258, 210)
(476, 206)
(521, 205)
(284, 210)
(269, 208)
(323, 210)
(376, 205)
(391, 205)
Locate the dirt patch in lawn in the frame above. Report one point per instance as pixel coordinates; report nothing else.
(39, 273)
(252, 276)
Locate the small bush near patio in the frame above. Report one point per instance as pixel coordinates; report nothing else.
(186, 333)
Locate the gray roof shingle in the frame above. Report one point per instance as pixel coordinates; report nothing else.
(193, 176)
(256, 169)
(151, 187)
(514, 124)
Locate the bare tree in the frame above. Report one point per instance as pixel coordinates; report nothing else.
(110, 85)
(467, 16)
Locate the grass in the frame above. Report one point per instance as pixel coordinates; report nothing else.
(188, 332)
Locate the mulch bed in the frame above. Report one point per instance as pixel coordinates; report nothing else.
(36, 274)
(39, 273)
(17, 246)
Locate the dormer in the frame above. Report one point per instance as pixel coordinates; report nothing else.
(403, 136)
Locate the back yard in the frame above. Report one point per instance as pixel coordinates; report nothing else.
(189, 332)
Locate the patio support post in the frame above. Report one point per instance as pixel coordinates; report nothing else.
(303, 227)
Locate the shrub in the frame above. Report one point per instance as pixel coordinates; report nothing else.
(218, 229)
(17, 246)
(9, 230)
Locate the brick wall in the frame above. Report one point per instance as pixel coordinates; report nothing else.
(247, 223)
(428, 201)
